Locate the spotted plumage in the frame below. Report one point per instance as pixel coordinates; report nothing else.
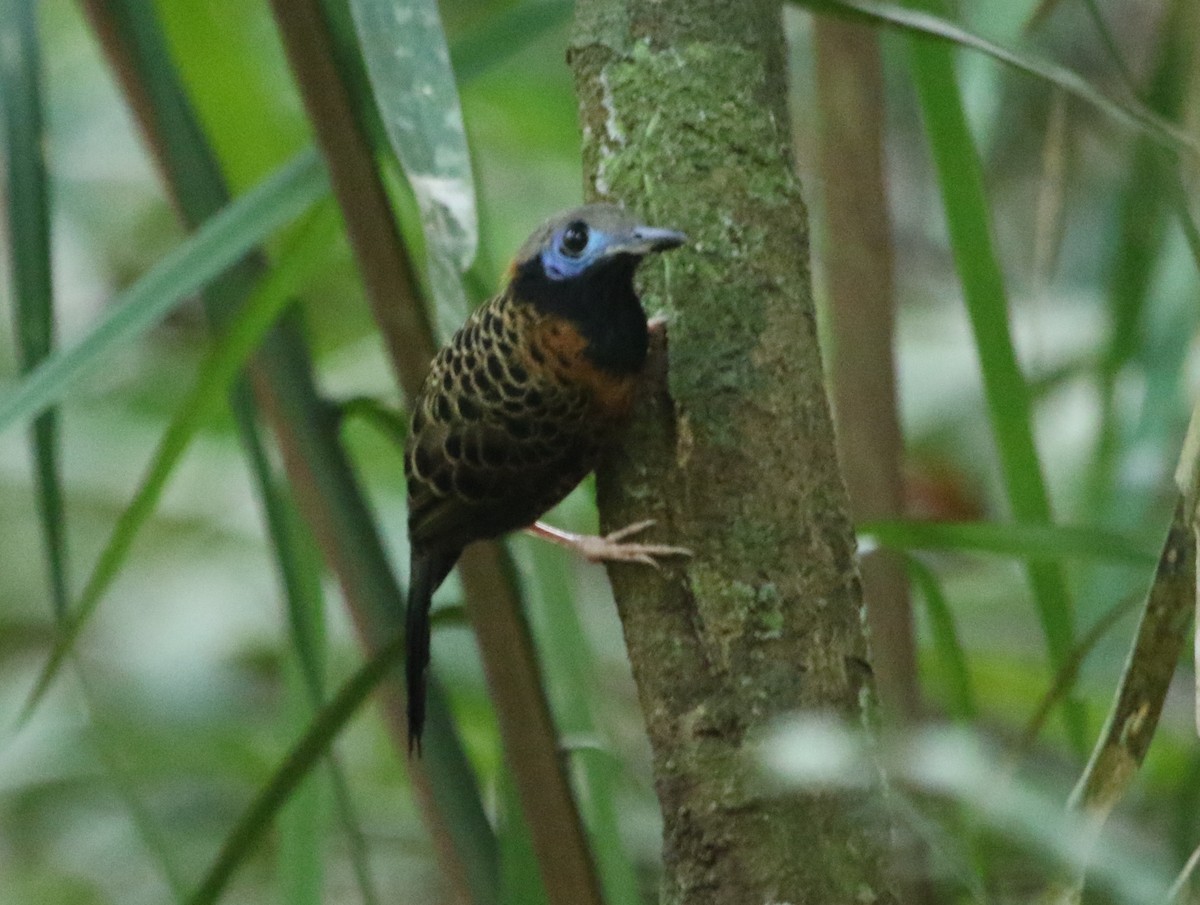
(517, 408)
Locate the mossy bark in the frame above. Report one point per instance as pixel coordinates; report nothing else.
(732, 451)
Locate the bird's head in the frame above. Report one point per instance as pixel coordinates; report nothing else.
(591, 239)
(580, 264)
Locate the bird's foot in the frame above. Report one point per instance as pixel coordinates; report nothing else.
(612, 547)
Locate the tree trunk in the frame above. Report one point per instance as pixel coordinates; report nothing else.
(732, 451)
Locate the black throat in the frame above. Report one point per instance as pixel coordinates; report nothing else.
(602, 305)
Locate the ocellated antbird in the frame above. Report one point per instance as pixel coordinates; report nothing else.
(518, 406)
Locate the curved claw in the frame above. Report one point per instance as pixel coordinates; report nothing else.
(629, 530)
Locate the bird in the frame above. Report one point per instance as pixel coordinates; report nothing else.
(519, 405)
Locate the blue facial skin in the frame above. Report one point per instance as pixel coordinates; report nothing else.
(559, 265)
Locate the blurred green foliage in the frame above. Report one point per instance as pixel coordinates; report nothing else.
(129, 775)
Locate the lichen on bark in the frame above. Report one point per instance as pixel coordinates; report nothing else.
(683, 107)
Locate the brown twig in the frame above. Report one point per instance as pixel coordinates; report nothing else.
(1064, 681)
(509, 658)
(1161, 635)
(391, 286)
(858, 264)
(301, 444)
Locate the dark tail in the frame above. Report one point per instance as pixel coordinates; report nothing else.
(429, 570)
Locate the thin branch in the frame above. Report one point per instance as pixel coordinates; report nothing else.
(857, 251)
(1065, 679)
(326, 492)
(391, 285)
(509, 658)
(1161, 635)
(1189, 868)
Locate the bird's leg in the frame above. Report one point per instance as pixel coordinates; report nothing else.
(612, 547)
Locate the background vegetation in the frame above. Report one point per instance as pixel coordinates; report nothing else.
(198, 673)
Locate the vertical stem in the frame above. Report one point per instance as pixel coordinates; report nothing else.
(493, 602)
(28, 213)
(317, 468)
(858, 262)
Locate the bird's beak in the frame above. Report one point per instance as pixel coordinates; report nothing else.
(644, 240)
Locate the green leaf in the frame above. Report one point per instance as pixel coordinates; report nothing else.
(29, 256)
(520, 879)
(1046, 543)
(302, 822)
(217, 375)
(576, 696)
(964, 200)
(1153, 187)
(390, 423)
(311, 747)
(408, 62)
(949, 649)
(302, 421)
(494, 41)
(1128, 112)
(215, 246)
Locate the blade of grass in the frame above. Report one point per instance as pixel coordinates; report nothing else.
(1028, 541)
(29, 257)
(964, 201)
(1051, 206)
(111, 754)
(576, 697)
(408, 62)
(294, 768)
(217, 375)
(326, 491)
(962, 707)
(303, 820)
(1133, 718)
(949, 649)
(1162, 632)
(1176, 890)
(928, 25)
(200, 258)
(493, 599)
(1152, 190)
(1110, 45)
(297, 559)
(498, 38)
(1070, 671)
(519, 880)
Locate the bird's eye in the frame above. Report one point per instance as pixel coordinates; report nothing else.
(574, 239)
